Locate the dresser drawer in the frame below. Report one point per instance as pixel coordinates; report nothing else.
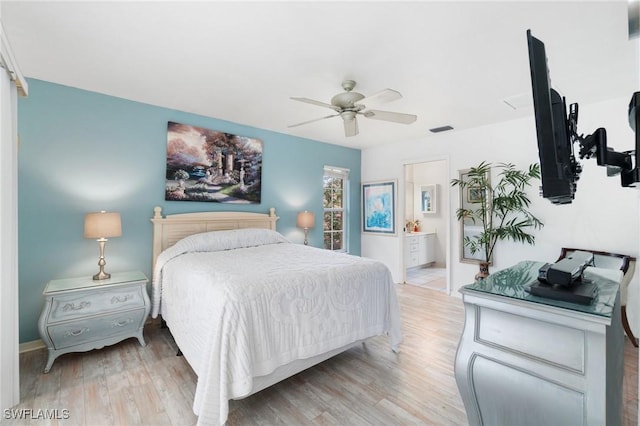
(567, 349)
(92, 329)
(412, 259)
(81, 304)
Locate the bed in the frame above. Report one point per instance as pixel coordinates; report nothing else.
(248, 308)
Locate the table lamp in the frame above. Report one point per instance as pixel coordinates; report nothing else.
(305, 221)
(102, 225)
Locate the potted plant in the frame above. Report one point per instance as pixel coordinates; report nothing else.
(502, 210)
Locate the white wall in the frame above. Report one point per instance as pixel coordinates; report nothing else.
(604, 215)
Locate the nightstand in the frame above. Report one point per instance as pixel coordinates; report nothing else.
(81, 314)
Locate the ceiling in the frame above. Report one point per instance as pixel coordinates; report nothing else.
(455, 63)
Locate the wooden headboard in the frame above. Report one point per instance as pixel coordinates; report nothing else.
(172, 228)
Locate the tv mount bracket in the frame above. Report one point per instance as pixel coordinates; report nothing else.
(596, 144)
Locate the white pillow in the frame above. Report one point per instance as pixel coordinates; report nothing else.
(228, 240)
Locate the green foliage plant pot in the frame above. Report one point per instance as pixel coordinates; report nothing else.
(502, 211)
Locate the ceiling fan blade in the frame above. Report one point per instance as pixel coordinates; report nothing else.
(396, 117)
(315, 119)
(386, 95)
(318, 103)
(350, 127)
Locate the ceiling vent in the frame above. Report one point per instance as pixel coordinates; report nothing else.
(440, 129)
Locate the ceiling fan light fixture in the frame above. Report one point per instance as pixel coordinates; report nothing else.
(350, 126)
(346, 99)
(349, 104)
(348, 115)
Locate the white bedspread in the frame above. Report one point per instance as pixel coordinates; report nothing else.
(241, 313)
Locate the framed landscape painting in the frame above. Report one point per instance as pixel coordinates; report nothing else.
(210, 165)
(379, 207)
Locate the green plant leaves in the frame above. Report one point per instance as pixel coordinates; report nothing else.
(503, 208)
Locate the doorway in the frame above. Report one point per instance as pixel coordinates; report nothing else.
(426, 225)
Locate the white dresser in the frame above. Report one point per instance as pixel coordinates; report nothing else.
(419, 249)
(81, 314)
(532, 361)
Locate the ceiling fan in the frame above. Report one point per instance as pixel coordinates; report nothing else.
(349, 104)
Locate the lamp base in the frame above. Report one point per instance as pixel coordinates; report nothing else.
(102, 275)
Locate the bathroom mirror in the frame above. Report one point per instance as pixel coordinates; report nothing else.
(428, 199)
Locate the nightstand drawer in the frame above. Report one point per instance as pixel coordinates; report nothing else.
(82, 304)
(99, 328)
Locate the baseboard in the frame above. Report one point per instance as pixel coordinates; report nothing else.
(33, 345)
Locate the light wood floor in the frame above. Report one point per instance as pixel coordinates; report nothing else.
(433, 278)
(127, 384)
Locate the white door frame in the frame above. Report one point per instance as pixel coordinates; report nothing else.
(11, 83)
(444, 193)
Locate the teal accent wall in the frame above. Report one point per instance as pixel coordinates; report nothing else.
(82, 151)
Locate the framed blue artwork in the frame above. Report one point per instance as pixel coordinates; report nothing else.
(379, 207)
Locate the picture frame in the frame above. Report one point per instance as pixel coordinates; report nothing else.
(212, 166)
(428, 199)
(474, 194)
(379, 207)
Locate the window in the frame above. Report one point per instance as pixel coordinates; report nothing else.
(335, 208)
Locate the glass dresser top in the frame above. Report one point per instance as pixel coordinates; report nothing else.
(512, 282)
